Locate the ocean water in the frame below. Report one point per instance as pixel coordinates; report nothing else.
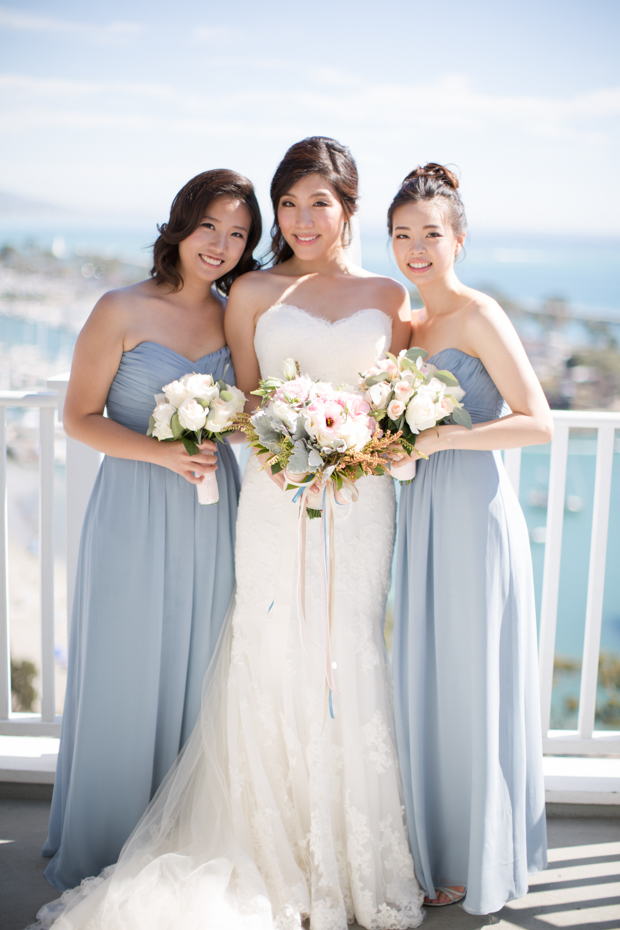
(584, 271)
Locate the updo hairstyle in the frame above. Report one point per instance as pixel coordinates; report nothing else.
(187, 210)
(314, 155)
(432, 182)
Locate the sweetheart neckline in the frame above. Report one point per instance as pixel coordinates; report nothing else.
(322, 319)
(152, 342)
(452, 349)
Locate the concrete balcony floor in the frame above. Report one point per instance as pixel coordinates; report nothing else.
(580, 889)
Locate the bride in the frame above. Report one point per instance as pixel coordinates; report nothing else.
(277, 811)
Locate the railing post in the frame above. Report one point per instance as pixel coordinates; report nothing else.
(596, 580)
(81, 469)
(551, 571)
(46, 557)
(5, 639)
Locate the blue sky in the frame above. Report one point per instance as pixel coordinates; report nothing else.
(111, 107)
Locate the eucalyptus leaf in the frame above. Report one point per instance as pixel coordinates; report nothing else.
(149, 431)
(462, 417)
(226, 395)
(221, 385)
(414, 353)
(376, 379)
(446, 377)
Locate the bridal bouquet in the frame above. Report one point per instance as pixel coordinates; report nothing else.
(407, 395)
(314, 432)
(192, 409)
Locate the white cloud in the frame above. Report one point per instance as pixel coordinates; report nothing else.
(12, 19)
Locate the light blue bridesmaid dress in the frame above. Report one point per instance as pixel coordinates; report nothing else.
(465, 669)
(154, 582)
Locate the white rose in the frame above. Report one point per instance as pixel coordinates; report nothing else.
(284, 413)
(222, 413)
(200, 387)
(444, 407)
(192, 415)
(420, 413)
(175, 393)
(403, 390)
(289, 369)
(162, 416)
(238, 402)
(456, 392)
(395, 409)
(408, 376)
(437, 386)
(378, 394)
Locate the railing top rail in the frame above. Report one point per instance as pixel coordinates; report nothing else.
(587, 418)
(28, 398)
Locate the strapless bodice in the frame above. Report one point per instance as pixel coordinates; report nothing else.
(331, 351)
(142, 373)
(482, 399)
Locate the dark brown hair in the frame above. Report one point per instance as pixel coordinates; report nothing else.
(432, 182)
(187, 210)
(314, 155)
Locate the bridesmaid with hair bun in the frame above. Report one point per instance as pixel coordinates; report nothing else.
(464, 654)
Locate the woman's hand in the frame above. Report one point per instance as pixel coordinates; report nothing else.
(279, 478)
(193, 468)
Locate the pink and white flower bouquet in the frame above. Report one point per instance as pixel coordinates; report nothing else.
(192, 409)
(314, 432)
(407, 395)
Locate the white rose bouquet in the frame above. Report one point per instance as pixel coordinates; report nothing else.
(193, 409)
(407, 395)
(314, 432)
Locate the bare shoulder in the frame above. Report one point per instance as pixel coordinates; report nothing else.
(117, 309)
(483, 312)
(391, 293)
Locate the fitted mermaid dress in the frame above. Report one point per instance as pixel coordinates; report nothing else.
(154, 582)
(465, 669)
(275, 811)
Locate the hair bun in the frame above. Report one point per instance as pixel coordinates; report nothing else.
(433, 170)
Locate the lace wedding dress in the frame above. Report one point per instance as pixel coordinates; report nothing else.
(275, 811)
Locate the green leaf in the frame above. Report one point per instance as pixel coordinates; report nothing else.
(414, 353)
(203, 403)
(190, 445)
(275, 468)
(407, 363)
(221, 385)
(375, 379)
(177, 430)
(226, 395)
(462, 417)
(149, 431)
(314, 514)
(446, 377)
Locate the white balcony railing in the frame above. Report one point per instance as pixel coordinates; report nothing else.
(81, 468)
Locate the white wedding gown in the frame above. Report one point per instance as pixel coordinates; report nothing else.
(275, 812)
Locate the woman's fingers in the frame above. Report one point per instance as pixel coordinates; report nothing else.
(208, 446)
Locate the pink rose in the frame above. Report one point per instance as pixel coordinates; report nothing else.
(395, 409)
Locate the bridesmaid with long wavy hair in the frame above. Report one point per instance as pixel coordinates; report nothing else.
(464, 656)
(155, 573)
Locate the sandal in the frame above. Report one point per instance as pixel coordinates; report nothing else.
(454, 896)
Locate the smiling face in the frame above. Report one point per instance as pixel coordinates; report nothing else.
(423, 241)
(217, 243)
(312, 218)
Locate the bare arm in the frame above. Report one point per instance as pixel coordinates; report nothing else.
(97, 355)
(400, 311)
(493, 338)
(242, 312)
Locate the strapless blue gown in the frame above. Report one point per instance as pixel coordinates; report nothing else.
(154, 582)
(465, 669)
